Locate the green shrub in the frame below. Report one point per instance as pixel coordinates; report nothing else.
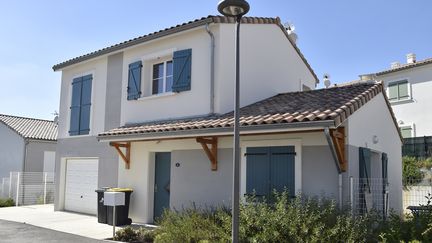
(127, 234)
(9, 202)
(411, 172)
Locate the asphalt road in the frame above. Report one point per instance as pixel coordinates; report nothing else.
(23, 233)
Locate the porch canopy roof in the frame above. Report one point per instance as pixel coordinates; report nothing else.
(287, 111)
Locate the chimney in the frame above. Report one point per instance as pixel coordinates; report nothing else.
(411, 58)
(395, 65)
(367, 77)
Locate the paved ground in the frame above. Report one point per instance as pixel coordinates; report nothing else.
(45, 217)
(19, 232)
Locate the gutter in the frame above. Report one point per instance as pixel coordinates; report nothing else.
(212, 68)
(267, 128)
(337, 162)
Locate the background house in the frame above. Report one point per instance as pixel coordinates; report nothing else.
(27, 145)
(408, 87)
(183, 71)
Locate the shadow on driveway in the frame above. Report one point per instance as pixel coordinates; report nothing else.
(19, 232)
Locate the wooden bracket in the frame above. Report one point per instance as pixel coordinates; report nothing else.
(212, 151)
(338, 137)
(126, 158)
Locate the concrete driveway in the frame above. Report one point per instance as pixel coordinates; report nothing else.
(17, 232)
(45, 217)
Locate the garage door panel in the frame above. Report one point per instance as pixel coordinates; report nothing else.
(81, 182)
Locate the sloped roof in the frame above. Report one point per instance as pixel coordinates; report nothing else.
(31, 128)
(178, 28)
(404, 67)
(332, 106)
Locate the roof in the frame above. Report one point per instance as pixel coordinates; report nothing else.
(405, 66)
(323, 107)
(178, 28)
(31, 128)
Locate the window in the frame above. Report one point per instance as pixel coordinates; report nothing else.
(162, 79)
(398, 90)
(406, 131)
(80, 105)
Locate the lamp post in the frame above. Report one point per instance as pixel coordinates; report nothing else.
(236, 9)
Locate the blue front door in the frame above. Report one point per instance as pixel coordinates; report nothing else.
(268, 169)
(162, 183)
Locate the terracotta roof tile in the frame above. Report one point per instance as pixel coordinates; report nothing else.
(31, 128)
(333, 104)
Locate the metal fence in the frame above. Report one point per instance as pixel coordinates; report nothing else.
(369, 195)
(416, 194)
(29, 188)
(419, 147)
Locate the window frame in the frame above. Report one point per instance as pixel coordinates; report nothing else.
(69, 116)
(397, 82)
(163, 61)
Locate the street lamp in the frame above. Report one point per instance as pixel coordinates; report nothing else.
(235, 8)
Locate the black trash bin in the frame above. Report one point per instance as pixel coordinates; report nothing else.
(122, 212)
(102, 210)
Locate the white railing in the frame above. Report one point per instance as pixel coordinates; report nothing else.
(29, 188)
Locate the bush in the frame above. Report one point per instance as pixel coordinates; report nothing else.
(411, 172)
(129, 234)
(9, 202)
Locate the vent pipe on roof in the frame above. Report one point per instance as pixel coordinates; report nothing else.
(394, 65)
(411, 58)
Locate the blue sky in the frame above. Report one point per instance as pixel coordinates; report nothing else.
(340, 37)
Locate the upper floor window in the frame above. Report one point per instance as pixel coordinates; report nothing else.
(162, 79)
(398, 90)
(153, 77)
(406, 131)
(80, 105)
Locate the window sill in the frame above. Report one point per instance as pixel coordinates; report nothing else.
(403, 101)
(157, 96)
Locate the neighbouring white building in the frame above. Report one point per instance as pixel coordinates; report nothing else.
(408, 87)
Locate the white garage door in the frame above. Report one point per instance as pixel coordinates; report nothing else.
(81, 183)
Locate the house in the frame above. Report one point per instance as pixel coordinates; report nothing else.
(408, 86)
(26, 145)
(155, 115)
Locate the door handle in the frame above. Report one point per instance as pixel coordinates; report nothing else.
(155, 188)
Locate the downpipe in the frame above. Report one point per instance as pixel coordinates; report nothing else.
(212, 68)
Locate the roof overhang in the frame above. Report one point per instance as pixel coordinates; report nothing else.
(226, 131)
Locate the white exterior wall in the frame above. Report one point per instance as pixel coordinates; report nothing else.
(98, 68)
(140, 176)
(373, 119)
(188, 103)
(269, 65)
(415, 111)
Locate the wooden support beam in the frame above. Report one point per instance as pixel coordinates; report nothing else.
(210, 152)
(338, 137)
(125, 157)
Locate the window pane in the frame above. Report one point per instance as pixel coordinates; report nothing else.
(169, 81)
(157, 86)
(406, 132)
(169, 68)
(158, 70)
(393, 91)
(403, 90)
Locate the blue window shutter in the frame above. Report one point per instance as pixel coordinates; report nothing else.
(182, 70)
(365, 166)
(134, 81)
(75, 106)
(258, 171)
(282, 173)
(85, 104)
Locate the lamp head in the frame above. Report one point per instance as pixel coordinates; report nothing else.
(233, 8)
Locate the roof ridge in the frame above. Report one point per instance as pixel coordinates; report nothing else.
(29, 118)
(329, 88)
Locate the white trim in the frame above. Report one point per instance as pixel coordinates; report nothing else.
(156, 96)
(77, 75)
(297, 143)
(404, 100)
